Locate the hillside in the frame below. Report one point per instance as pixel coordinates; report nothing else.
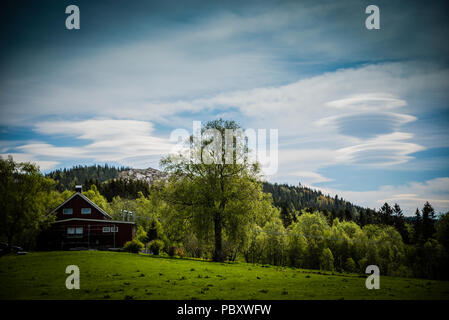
(68, 178)
(296, 198)
(117, 276)
(127, 182)
(148, 175)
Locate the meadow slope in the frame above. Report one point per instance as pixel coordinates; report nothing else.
(109, 275)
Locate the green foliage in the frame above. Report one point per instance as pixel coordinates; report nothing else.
(66, 179)
(125, 188)
(94, 195)
(133, 246)
(327, 260)
(171, 250)
(429, 260)
(213, 196)
(141, 234)
(156, 246)
(24, 202)
(442, 230)
(428, 221)
(194, 247)
(180, 252)
(293, 199)
(350, 265)
(363, 263)
(154, 230)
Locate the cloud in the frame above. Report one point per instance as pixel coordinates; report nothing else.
(24, 157)
(384, 150)
(366, 124)
(309, 177)
(352, 115)
(409, 196)
(128, 142)
(376, 101)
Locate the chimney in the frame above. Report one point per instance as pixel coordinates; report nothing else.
(79, 188)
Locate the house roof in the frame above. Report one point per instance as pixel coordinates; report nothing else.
(94, 220)
(86, 199)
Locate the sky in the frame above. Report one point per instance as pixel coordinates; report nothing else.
(360, 113)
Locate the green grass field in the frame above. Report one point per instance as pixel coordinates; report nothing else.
(110, 275)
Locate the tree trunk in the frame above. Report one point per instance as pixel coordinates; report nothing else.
(218, 253)
(9, 243)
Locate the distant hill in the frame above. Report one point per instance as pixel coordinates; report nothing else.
(127, 183)
(148, 175)
(296, 198)
(110, 181)
(68, 178)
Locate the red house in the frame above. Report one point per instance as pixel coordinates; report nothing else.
(80, 223)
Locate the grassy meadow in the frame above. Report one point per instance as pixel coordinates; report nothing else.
(112, 275)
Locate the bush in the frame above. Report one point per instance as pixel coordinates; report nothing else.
(134, 246)
(171, 251)
(350, 265)
(327, 260)
(363, 263)
(193, 247)
(156, 246)
(175, 250)
(180, 252)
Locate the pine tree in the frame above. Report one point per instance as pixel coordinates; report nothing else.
(386, 214)
(428, 221)
(418, 226)
(399, 222)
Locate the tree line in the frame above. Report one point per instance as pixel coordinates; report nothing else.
(289, 199)
(67, 179)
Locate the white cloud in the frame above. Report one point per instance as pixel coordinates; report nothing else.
(385, 150)
(128, 142)
(25, 157)
(409, 196)
(376, 101)
(315, 117)
(309, 177)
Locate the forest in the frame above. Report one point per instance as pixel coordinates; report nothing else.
(227, 213)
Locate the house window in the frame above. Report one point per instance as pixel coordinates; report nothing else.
(106, 229)
(79, 230)
(67, 211)
(86, 211)
(70, 231)
(114, 229)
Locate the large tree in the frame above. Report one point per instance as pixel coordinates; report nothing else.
(214, 193)
(23, 201)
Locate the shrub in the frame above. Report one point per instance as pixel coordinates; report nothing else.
(133, 246)
(350, 265)
(363, 263)
(175, 250)
(327, 260)
(171, 251)
(180, 252)
(193, 247)
(156, 246)
(141, 235)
